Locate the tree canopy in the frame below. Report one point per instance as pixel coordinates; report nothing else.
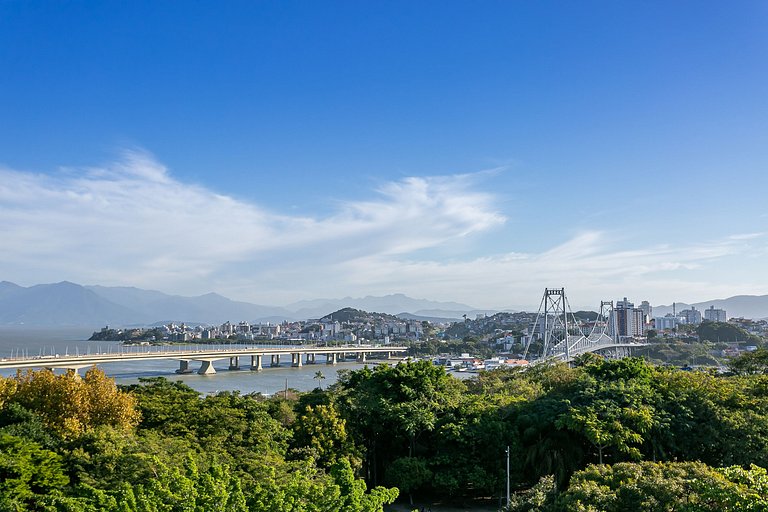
(601, 435)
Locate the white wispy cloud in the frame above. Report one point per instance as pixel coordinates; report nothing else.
(133, 223)
(589, 265)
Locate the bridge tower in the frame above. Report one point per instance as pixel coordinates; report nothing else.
(555, 318)
(551, 322)
(562, 336)
(606, 314)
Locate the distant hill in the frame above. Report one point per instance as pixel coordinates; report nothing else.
(355, 315)
(390, 304)
(432, 319)
(210, 308)
(747, 306)
(75, 305)
(455, 315)
(62, 304)
(71, 304)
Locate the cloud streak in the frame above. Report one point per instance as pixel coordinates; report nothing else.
(132, 223)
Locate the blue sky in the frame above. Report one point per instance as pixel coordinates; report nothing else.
(467, 151)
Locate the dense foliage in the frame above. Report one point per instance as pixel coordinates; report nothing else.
(80, 444)
(603, 435)
(725, 332)
(434, 436)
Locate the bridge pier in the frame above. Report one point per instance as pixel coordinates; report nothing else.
(311, 358)
(330, 358)
(234, 363)
(296, 360)
(256, 363)
(361, 357)
(183, 367)
(275, 360)
(206, 368)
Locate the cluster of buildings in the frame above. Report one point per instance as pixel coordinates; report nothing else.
(756, 327)
(628, 320)
(310, 331)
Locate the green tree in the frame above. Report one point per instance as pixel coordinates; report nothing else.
(354, 497)
(750, 363)
(185, 489)
(319, 377)
(612, 417)
(28, 474)
(648, 486)
(392, 407)
(408, 474)
(322, 432)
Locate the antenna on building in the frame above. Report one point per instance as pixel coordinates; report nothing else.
(674, 309)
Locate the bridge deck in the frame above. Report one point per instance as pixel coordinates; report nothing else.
(85, 360)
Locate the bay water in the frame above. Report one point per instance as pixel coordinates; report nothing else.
(33, 341)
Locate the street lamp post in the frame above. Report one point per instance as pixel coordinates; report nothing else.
(507, 475)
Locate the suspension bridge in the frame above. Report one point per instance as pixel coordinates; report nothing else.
(559, 335)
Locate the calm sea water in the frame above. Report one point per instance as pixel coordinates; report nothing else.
(36, 341)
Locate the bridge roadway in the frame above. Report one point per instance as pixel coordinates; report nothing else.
(205, 356)
(578, 345)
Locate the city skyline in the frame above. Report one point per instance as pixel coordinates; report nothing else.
(463, 152)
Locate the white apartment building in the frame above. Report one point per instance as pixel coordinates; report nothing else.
(667, 323)
(715, 315)
(692, 316)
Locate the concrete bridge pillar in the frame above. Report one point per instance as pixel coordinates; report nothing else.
(234, 363)
(310, 358)
(361, 357)
(256, 363)
(206, 368)
(330, 358)
(183, 367)
(275, 360)
(296, 360)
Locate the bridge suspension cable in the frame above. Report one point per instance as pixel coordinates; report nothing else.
(560, 332)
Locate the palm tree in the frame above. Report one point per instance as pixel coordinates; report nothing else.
(319, 376)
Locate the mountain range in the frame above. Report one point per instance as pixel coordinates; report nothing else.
(72, 304)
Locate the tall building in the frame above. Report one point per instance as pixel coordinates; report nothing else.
(715, 315)
(692, 316)
(627, 320)
(647, 310)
